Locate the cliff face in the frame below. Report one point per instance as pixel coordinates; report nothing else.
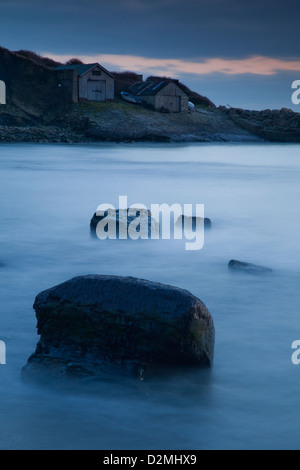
(32, 89)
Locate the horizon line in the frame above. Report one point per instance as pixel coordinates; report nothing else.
(254, 65)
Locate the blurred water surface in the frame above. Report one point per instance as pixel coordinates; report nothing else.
(251, 397)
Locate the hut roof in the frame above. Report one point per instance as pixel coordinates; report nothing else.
(83, 68)
(150, 88)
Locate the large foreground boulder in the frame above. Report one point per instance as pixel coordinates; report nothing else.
(92, 323)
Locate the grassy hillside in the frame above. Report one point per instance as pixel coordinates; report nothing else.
(33, 92)
(32, 86)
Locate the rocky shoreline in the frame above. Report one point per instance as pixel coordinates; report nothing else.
(40, 134)
(272, 125)
(121, 122)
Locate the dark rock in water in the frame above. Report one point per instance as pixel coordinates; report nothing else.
(94, 324)
(248, 267)
(191, 222)
(141, 223)
(207, 223)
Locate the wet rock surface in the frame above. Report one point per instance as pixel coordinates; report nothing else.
(133, 222)
(191, 222)
(248, 267)
(98, 325)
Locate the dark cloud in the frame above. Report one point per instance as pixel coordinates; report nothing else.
(157, 28)
(184, 29)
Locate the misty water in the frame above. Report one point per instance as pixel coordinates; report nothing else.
(250, 399)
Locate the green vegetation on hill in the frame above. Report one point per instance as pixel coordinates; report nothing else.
(38, 59)
(33, 92)
(32, 86)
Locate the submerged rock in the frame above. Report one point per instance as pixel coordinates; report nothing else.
(248, 267)
(141, 223)
(93, 324)
(191, 222)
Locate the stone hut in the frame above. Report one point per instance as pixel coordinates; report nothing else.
(164, 95)
(87, 82)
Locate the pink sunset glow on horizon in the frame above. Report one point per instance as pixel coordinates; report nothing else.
(256, 65)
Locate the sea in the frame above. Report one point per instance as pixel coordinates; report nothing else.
(250, 398)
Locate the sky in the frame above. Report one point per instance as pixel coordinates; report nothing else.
(242, 53)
